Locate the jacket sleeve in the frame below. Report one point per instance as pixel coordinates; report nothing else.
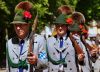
(42, 55)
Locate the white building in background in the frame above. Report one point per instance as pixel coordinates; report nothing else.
(46, 32)
(92, 29)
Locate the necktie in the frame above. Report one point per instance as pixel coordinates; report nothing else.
(61, 42)
(21, 48)
(61, 45)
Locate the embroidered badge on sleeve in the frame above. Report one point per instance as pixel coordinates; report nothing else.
(42, 55)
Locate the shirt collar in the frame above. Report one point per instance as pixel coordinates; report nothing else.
(64, 37)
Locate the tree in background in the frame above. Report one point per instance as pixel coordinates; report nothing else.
(3, 21)
(90, 8)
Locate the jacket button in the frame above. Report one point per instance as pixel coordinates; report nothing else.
(69, 61)
(52, 69)
(67, 52)
(70, 68)
(53, 53)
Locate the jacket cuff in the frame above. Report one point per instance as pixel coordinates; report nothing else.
(41, 64)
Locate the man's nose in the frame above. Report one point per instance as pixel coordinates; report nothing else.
(18, 28)
(60, 27)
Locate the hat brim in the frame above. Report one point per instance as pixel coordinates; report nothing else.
(74, 29)
(59, 23)
(18, 22)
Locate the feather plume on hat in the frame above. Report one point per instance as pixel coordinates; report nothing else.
(24, 5)
(23, 13)
(64, 9)
(78, 17)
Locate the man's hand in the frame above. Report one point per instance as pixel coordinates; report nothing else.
(93, 52)
(32, 59)
(81, 57)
